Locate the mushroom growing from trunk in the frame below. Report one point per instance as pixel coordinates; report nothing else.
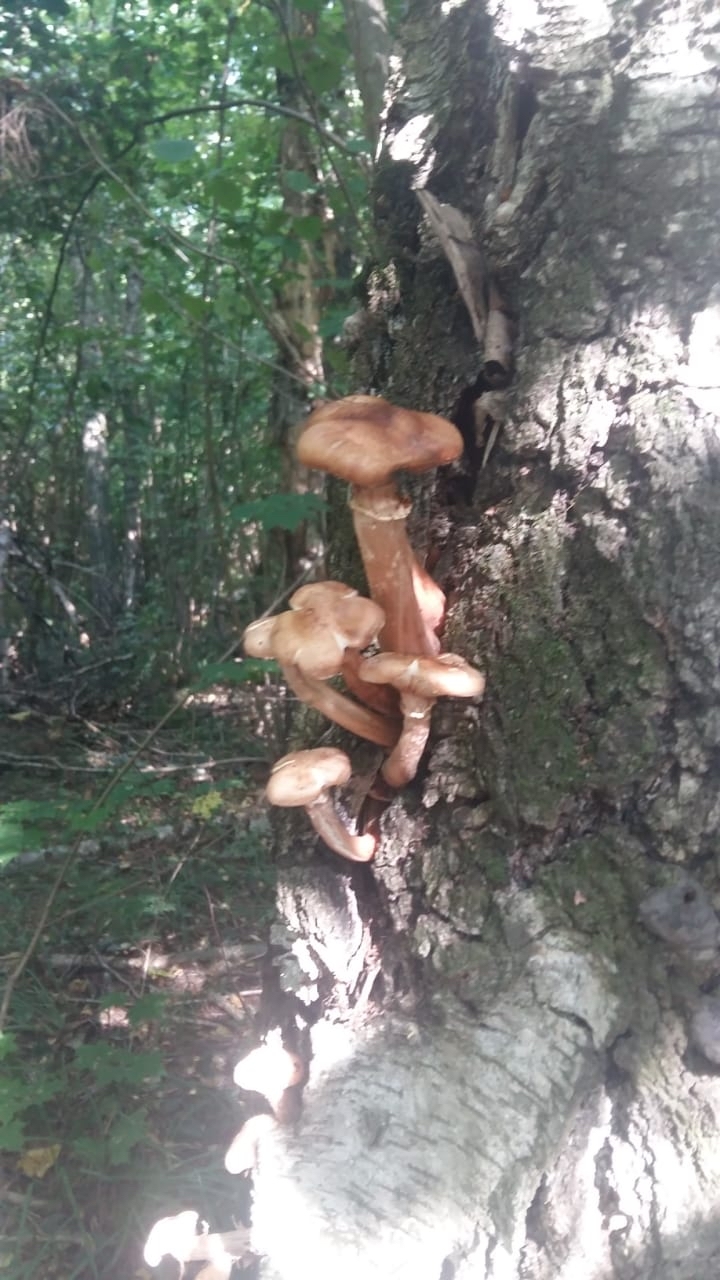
(310, 642)
(420, 682)
(270, 1070)
(305, 778)
(178, 1237)
(338, 606)
(365, 440)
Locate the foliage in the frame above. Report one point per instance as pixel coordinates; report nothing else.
(146, 238)
(177, 182)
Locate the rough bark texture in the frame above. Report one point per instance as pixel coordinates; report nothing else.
(517, 1095)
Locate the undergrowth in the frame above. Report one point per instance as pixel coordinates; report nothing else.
(115, 1098)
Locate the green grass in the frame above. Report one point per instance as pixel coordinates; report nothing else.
(116, 1095)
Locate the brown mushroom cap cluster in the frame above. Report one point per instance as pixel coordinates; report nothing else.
(310, 641)
(365, 440)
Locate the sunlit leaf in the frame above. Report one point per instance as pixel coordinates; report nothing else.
(205, 806)
(36, 1162)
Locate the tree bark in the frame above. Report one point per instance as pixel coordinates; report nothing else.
(516, 1090)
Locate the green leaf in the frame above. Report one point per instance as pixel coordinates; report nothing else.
(172, 150)
(296, 180)
(292, 249)
(147, 1009)
(281, 511)
(155, 303)
(194, 306)
(229, 195)
(8, 1044)
(110, 1064)
(331, 323)
(242, 672)
(12, 1133)
(309, 227)
(322, 75)
(127, 1132)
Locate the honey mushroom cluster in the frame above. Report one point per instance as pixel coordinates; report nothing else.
(365, 440)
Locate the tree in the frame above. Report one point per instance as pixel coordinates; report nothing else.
(519, 1085)
(176, 184)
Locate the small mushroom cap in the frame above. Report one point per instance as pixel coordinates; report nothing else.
(257, 638)
(448, 675)
(300, 778)
(174, 1235)
(335, 605)
(326, 618)
(268, 1070)
(300, 640)
(364, 439)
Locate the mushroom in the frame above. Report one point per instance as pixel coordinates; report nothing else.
(242, 1154)
(270, 1070)
(310, 642)
(178, 1238)
(364, 440)
(420, 681)
(175, 1236)
(304, 778)
(333, 603)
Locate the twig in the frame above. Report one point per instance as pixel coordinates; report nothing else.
(151, 770)
(242, 953)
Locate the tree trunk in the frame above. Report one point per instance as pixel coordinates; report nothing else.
(507, 1076)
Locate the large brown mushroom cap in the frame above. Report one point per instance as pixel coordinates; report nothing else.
(365, 439)
(300, 778)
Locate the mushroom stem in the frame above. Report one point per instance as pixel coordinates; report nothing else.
(413, 604)
(304, 779)
(381, 697)
(420, 682)
(329, 826)
(350, 715)
(403, 761)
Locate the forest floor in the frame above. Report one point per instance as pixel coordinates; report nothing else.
(116, 1094)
